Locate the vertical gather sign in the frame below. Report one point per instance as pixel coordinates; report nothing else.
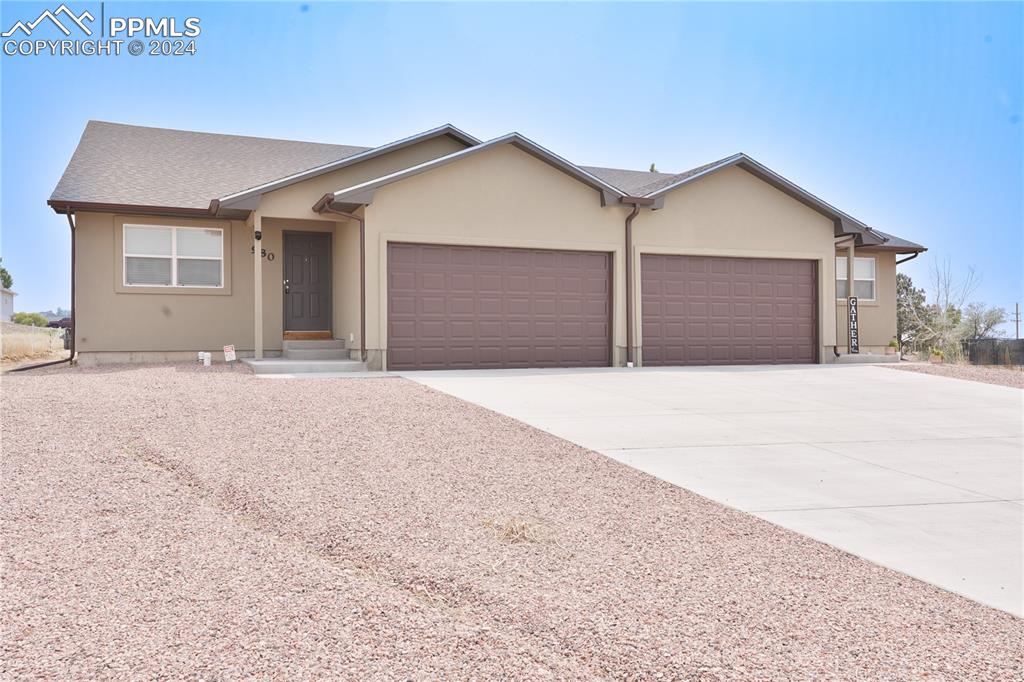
(854, 325)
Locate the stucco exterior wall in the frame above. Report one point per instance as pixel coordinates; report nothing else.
(499, 197)
(878, 317)
(732, 213)
(111, 317)
(296, 201)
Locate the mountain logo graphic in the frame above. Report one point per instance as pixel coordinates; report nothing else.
(77, 20)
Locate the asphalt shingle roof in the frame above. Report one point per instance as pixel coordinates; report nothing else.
(629, 181)
(134, 165)
(131, 165)
(897, 243)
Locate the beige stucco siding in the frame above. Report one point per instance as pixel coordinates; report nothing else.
(732, 213)
(499, 197)
(296, 201)
(878, 317)
(111, 317)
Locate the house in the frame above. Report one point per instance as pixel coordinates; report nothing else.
(443, 251)
(6, 304)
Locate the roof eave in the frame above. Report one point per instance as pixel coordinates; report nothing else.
(63, 206)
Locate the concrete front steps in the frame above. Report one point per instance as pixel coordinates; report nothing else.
(327, 356)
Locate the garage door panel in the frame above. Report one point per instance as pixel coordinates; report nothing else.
(516, 305)
(455, 305)
(462, 306)
(709, 310)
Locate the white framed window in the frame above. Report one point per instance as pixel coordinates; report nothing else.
(863, 278)
(159, 256)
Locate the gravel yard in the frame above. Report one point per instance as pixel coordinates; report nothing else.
(998, 375)
(178, 522)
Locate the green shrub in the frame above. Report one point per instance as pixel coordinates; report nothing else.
(30, 319)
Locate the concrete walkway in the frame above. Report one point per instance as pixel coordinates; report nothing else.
(919, 473)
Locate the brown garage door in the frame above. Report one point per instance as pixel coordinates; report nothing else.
(728, 311)
(463, 306)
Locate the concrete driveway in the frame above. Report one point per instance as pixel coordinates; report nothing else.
(919, 473)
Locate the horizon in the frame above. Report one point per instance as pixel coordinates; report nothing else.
(916, 132)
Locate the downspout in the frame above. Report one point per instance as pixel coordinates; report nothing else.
(71, 358)
(636, 202)
(74, 327)
(629, 284)
(911, 257)
(326, 207)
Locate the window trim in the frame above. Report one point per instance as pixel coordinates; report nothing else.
(125, 255)
(873, 280)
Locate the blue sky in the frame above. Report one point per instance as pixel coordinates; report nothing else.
(907, 116)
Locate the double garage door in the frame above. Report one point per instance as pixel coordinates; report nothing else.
(458, 307)
(728, 311)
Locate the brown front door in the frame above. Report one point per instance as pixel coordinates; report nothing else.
(728, 311)
(307, 281)
(483, 307)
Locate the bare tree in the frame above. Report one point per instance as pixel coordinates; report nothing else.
(941, 322)
(981, 322)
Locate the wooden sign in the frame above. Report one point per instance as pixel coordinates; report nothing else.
(229, 353)
(854, 325)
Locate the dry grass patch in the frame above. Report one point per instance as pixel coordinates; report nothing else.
(517, 529)
(20, 342)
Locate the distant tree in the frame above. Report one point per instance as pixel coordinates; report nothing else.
(31, 319)
(981, 322)
(910, 309)
(5, 277)
(941, 324)
(654, 169)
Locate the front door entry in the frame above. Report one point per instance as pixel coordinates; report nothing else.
(307, 281)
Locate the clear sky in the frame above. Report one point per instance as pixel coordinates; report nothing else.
(907, 116)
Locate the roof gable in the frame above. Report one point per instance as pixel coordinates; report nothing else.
(363, 193)
(249, 198)
(844, 223)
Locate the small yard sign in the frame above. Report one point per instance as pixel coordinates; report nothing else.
(854, 326)
(229, 353)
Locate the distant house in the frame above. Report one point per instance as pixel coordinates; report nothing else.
(7, 309)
